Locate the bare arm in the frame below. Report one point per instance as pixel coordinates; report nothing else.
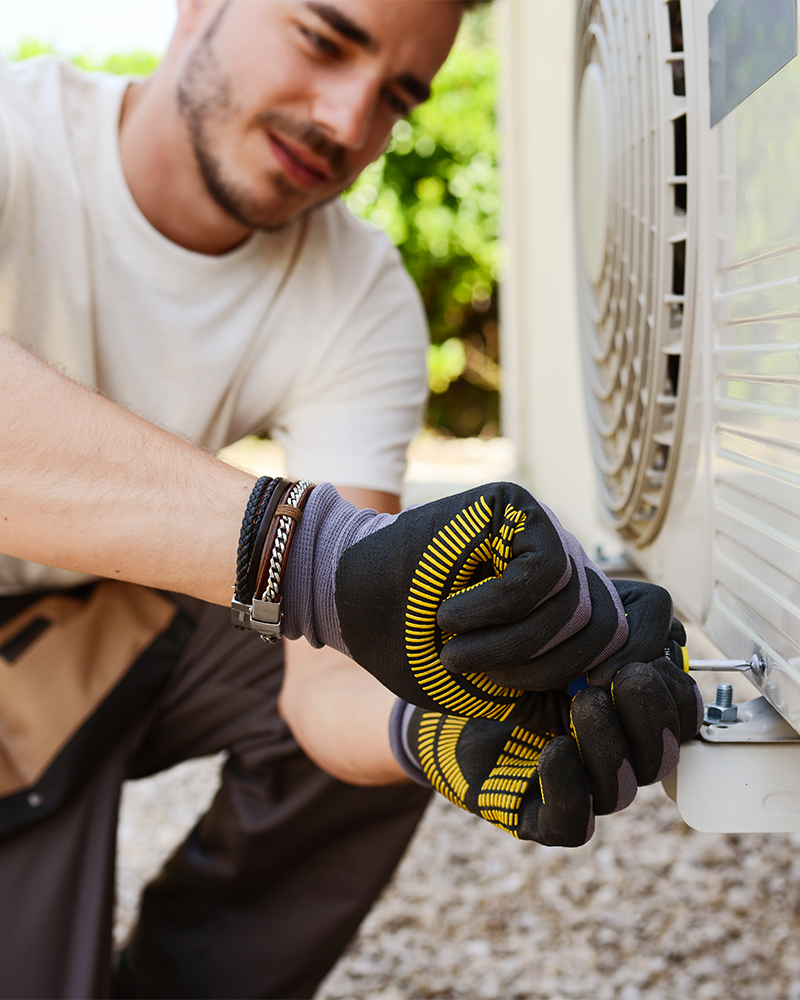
(339, 713)
(90, 487)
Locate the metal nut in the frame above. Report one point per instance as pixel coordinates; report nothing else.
(722, 708)
(716, 714)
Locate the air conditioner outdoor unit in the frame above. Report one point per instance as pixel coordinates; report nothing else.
(687, 186)
(686, 198)
(689, 260)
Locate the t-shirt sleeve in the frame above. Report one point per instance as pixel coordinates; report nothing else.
(358, 403)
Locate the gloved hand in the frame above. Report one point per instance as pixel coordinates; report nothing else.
(536, 782)
(491, 564)
(651, 625)
(629, 730)
(648, 613)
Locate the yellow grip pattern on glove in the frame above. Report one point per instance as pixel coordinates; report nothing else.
(500, 795)
(446, 567)
(438, 738)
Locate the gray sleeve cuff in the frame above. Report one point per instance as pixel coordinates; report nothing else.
(398, 741)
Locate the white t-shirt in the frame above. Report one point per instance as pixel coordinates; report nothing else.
(315, 333)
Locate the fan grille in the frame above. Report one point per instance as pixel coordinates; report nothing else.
(635, 242)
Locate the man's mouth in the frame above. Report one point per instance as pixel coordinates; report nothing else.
(301, 165)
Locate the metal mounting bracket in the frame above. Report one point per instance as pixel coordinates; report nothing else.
(741, 777)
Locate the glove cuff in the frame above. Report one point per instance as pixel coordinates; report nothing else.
(399, 722)
(329, 526)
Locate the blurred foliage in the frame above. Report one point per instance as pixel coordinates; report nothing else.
(435, 193)
(136, 63)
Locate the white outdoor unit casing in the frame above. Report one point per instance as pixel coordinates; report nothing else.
(688, 251)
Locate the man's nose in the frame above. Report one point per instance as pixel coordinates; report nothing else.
(345, 110)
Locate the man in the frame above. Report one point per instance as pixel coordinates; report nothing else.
(173, 242)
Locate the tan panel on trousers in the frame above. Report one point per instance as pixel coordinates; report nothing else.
(59, 658)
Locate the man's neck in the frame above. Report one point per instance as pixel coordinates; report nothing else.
(162, 173)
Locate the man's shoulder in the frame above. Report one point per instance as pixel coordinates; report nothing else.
(51, 82)
(353, 258)
(40, 72)
(348, 276)
(343, 232)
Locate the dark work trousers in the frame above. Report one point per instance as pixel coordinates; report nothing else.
(265, 892)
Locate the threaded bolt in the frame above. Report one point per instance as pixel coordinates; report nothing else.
(724, 698)
(722, 711)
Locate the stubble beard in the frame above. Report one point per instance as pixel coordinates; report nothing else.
(204, 98)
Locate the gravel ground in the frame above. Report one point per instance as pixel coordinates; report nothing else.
(649, 908)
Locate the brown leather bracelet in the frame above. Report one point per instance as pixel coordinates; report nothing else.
(291, 512)
(295, 513)
(266, 516)
(269, 542)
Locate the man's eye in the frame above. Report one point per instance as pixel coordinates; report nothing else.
(397, 104)
(322, 44)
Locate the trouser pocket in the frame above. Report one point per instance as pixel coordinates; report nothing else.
(74, 668)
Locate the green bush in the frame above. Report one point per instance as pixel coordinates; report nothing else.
(435, 192)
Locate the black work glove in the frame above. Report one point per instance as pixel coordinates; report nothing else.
(651, 625)
(526, 778)
(516, 589)
(630, 729)
(535, 781)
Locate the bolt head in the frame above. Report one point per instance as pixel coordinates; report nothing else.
(716, 714)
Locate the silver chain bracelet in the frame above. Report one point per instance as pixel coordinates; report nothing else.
(281, 538)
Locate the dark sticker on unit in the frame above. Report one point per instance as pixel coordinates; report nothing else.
(748, 42)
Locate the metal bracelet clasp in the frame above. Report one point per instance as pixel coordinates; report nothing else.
(263, 617)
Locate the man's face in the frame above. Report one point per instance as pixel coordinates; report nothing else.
(286, 101)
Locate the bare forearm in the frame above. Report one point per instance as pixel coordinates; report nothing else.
(339, 714)
(90, 487)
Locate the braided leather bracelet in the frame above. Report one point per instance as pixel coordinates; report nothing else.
(272, 533)
(247, 536)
